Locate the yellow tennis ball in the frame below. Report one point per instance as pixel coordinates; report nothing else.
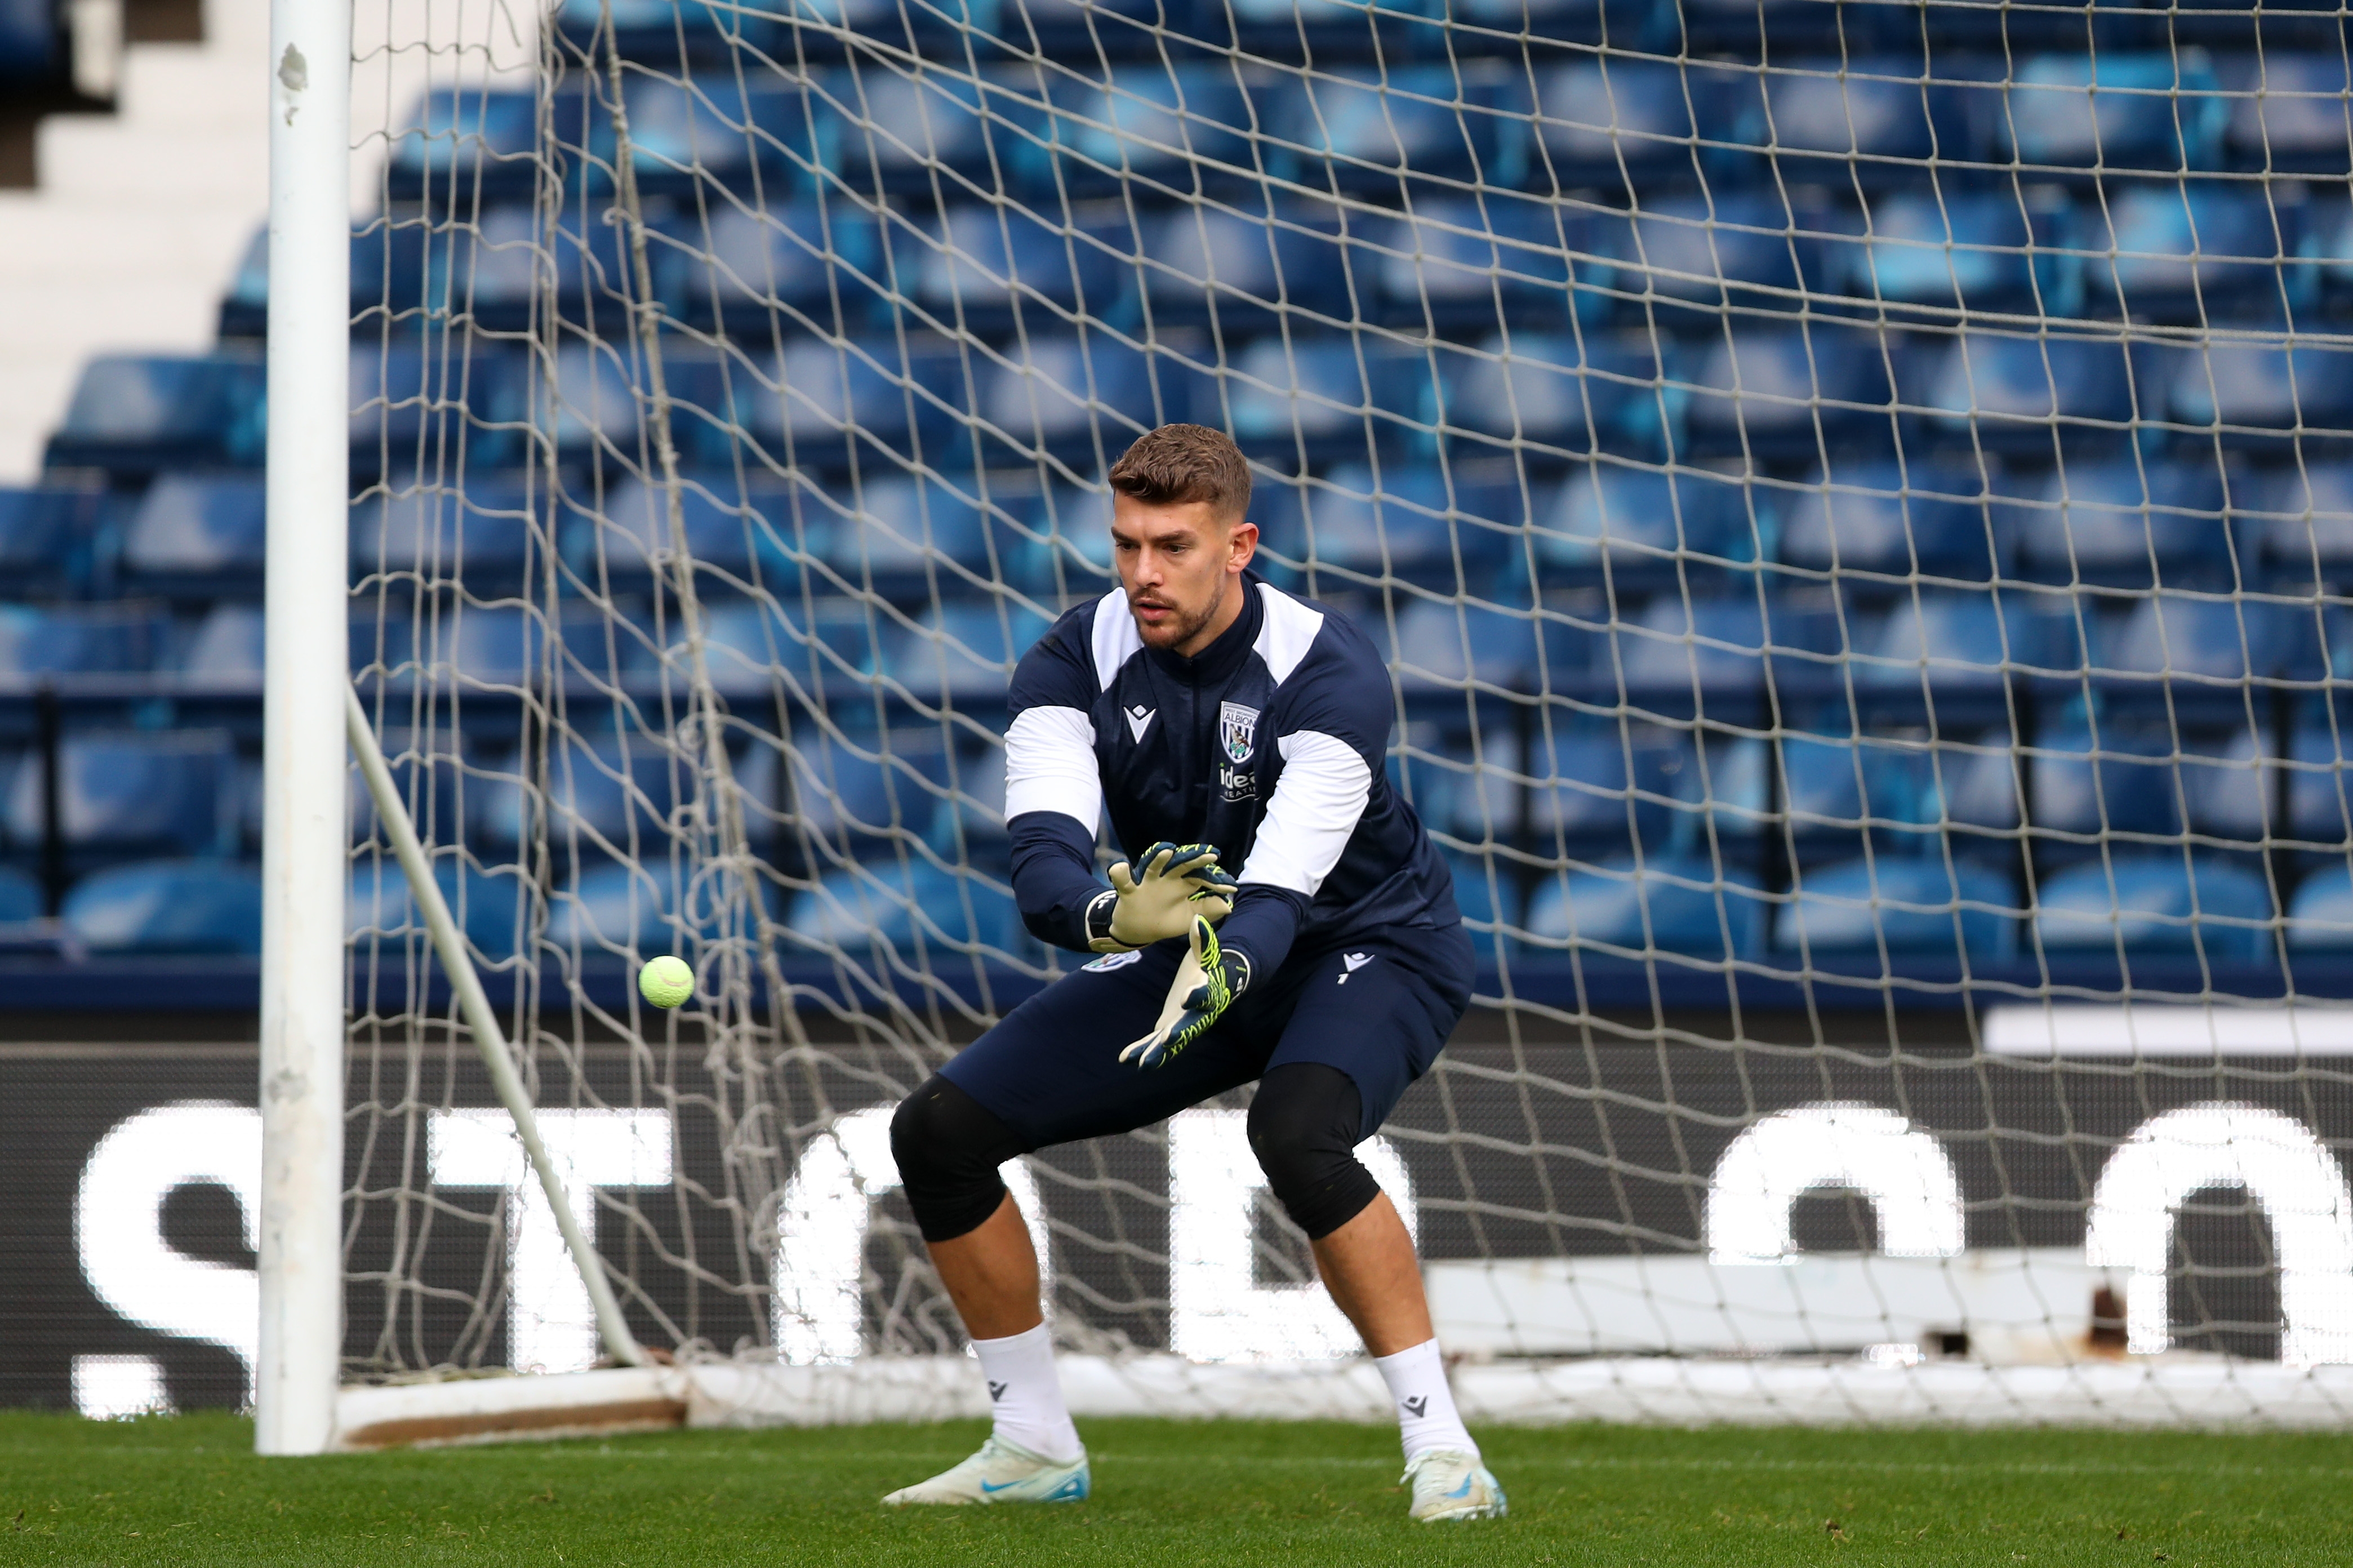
(666, 981)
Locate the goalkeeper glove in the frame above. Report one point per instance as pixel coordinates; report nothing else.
(1206, 983)
(1179, 882)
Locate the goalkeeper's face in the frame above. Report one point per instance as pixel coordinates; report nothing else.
(1181, 567)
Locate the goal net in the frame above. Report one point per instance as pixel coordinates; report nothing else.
(1854, 499)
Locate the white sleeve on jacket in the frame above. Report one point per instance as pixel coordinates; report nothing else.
(1324, 790)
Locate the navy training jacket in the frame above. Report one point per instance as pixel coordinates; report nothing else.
(1269, 744)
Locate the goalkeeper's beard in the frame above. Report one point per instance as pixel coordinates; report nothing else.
(1178, 627)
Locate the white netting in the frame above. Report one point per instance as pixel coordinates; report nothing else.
(1855, 498)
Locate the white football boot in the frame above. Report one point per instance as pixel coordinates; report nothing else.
(1451, 1484)
(1002, 1472)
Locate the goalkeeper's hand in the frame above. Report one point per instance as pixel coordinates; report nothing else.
(1179, 882)
(1206, 983)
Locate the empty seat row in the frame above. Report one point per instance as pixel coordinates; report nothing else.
(1583, 787)
(1907, 907)
(1597, 120)
(1776, 394)
(2158, 250)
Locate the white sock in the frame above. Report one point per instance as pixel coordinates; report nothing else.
(1026, 1396)
(1427, 1418)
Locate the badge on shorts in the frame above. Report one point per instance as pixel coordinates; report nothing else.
(1237, 729)
(1110, 960)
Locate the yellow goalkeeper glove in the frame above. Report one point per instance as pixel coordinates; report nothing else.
(1207, 981)
(1179, 882)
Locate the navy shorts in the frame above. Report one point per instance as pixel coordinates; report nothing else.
(1379, 1009)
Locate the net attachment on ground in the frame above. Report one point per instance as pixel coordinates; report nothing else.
(1857, 514)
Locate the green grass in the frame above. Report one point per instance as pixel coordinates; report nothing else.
(189, 1490)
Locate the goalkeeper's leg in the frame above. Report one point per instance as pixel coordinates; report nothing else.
(1368, 1021)
(1048, 1073)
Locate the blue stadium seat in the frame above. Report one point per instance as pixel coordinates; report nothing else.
(134, 414)
(904, 530)
(739, 266)
(478, 528)
(2186, 251)
(1351, 126)
(1744, 249)
(168, 907)
(2194, 642)
(20, 896)
(1395, 524)
(434, 771)
(1590, 787)
(1829, 787)
(2321, 912)
(2007, 393)
(2233, 791)
(2306, 522)
(1868, 121)
(1461, 264)
(2127, 787)
(617, 909)
(1891, 521)
(81, 639)
(2115, 110)
(495, 269)
(2156, 904)
(1955, 642)
(2264, 395)
(745, 642)
(852, 790)
(471, 139)
(875, 125)
(1203, 262)
(596, 402)
(1600, 120)
(1910, 905)
(1566, 395)
(1487, 891)
(868, 909)
(969, 828)
(1065, 29)
(2291, 117)
(46, 534)
(987, 267)
(487, 906)
(653, 31)
(1071, 552)
(1644, 521)
(1448, 647)
(2124, 524)
(1140, 121)
(1779, 393)
(33, 43)
(201, 527)
(1061, 395)
(1946, 250)
(596, 789)
(135, 791)
(964, 652)
(226, 648)
(712, 130)
(1670, 906)
(813, 398)
(726, 528)
(1725, 644)
(1332, 398)
(387, 275)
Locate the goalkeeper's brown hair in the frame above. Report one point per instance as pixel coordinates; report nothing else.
(1179, 464)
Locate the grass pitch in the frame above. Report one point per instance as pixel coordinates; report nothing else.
(189, 1490)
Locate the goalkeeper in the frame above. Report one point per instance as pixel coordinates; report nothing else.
(1280, 916)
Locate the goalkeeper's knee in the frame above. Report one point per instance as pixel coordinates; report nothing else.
(1304, 1128)
(948, 1146)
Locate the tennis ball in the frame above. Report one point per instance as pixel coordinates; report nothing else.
(666, 981)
